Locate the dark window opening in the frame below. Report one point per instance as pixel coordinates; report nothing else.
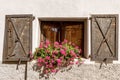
(73, 31)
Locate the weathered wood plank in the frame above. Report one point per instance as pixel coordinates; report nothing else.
(104, 37)
(18, 37)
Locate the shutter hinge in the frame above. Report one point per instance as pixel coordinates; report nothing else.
(104, 61)
(19, 62)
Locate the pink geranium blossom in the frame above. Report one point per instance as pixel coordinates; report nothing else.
(76, 47)
(45, 46)
(40, 60)
(55, 52)
(52, 61)
(71, 63)
(65, 48)
(39, 65)
(80, 51)
(47, 51)
(62, 51)
(60, 46)
(72, 53)
(47, 57)
(77, 62)
(46, 71)
(65, 41)
(52, 57)
(50, 65)
(47, 42)
(53, 70)
(59, 61)
(30, 54)
(41, 45)
(56, 43)
(73, 44)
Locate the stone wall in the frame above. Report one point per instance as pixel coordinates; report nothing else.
(83, 72)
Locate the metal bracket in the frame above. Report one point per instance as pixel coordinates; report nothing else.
(104, 61)
(19, 62)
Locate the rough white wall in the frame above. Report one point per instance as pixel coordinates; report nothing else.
(83, 72)
(54, 8)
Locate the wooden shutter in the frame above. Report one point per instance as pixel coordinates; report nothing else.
(104, 32)
(50, 31)
(18, 37)
(74, 32)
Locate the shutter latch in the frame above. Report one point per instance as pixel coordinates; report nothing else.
(104, 61)
(19, 62)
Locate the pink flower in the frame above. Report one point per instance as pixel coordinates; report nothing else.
(60, 46)
(47, 42)
(71, 63)
(80, 51)
(46, 71)
(47, 51)
(30, 54)
(59, 61)
(76, 47)
(52, 61)
(76, 62)
(65, 48)
(56, 43)
(50, 65)
(55, 52)
(73, 44)
(46, 63)
(61, 58)
(39, 65)
(65, 41)
(72, 53)
(41, 45)
(45, 46)
(53, 70)
(53, 56)
(40, 60)
(62, 51)
(47, 57)
(72, 59)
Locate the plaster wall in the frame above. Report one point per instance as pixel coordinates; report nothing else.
(59, 8)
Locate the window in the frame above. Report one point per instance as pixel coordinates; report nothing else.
(58, 30)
